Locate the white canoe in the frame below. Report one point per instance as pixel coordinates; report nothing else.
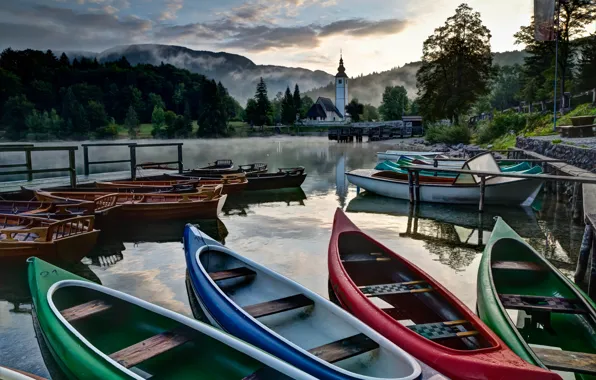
(499, 190)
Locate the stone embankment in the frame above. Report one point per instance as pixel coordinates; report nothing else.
(577, 152)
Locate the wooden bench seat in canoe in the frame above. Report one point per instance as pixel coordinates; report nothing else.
(396, 288)
(85, 310)
(151, 347)
(278, 306)
(231, 273)
(568, 361)
(442, 330)
(517, 265)
(344, 348)
(364, 257)
(539, 303)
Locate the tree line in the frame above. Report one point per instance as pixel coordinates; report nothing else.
(47, 97)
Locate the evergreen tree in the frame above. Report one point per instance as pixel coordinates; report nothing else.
(263, 104)
(131, 123)
(158, 119)
(251, 112)
(10, 85)
(96, 113)
(74, 115)
(213, 118)
(64, 61)
(456, 66)
(355, 109)
(288, 113)
(15, 111)
(276, 107)
(307, 102)
(178, 96)
(297, 100)
(587, 65)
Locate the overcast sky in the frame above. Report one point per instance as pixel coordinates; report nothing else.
(375, 35)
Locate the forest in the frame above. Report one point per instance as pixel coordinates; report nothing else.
(44, 97)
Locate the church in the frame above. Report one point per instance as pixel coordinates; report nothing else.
(324, 109)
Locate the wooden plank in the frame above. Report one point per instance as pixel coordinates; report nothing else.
(396, 288)
(231, 273)
(364, 257)
(344, 348)
(579, 362)
(278, 306)
(151, 347)
(84, 310)
(517, 265)
(539, 303)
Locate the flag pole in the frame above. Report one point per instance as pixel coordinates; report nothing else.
(558, 9)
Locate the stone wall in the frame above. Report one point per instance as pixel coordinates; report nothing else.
(584, 158)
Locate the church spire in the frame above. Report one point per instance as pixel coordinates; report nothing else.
(341, 70)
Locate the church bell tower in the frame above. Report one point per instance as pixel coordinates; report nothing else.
(341, 88)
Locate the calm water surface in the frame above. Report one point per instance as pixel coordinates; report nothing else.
(288, 230)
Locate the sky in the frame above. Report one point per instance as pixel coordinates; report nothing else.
(374, 35)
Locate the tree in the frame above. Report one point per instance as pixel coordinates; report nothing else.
(307, 102)
(276, 107)
(355, 109)
(74, 115)
(394, 103)
(212, 118)
(263, 105)
(132, 123)
(288, 112)
(251, 112)
(178, 96)
(10, 85)
(96, 113)
(64, 61)
(158, 119)
(370, 113)
(506, 87)
(15, 111)
(587, 64)
(297, 100)
(155, 100)
(456, 66)
(414, 108)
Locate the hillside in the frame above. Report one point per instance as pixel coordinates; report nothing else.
(240, 75)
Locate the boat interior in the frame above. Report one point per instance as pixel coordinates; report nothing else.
(406, 295)
(312, 325)
(554, 321)
(150, 344)
(18, 228)
(132, 198)
(220, 164)
(403, 177)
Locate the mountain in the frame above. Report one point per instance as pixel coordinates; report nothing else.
(240, 75)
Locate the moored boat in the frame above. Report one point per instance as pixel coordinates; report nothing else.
(65, 240)
(285, 319)
(232, 183)
(416, 312)
(94, 332)
(396, 154)
(13, 374)
(204, 204)
(464, 189)
(534, 308)
(217, 170)
(284, 178)
(521, 168)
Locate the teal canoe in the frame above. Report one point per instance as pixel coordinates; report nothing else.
(522, 168)
(539, 313)
(94, 332)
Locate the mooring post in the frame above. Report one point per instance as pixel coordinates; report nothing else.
(411, 185)
(417, 184)
(72, 168)
(29, 164)
(577, 211)
(180, 163)
(133, 161)
(482, 190)
(592, 288)
(584, 255)
(480, 229)
(86, 159)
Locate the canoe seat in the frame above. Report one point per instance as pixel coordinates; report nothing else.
(364, 257)
(344, 348)
(396, 288)
(278, 306)
(231, 273)
(151, 347)
(84, 310)
(517, 265)
(568, 361)
(442, 330)
(539, 303)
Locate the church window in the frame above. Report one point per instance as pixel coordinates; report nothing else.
(339, 81)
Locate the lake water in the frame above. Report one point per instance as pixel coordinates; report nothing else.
(287, 230)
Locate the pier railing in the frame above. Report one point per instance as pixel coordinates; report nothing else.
(133, 156)
(29, 171)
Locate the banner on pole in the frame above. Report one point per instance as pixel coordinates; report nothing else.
(544, 20)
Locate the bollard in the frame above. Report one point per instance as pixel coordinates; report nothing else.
(584, 255)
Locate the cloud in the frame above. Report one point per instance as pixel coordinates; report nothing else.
(172, 8)
(358, 27)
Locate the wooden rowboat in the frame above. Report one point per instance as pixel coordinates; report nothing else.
(94, 332)
(66, 240)
(285, 319)
(13, 374)
(534, 308)
(205, 204)
(232, 183)
(416, 312)
(216, 170)
(284, 178)
(464, 189)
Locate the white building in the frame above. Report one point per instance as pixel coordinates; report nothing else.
(324, 109)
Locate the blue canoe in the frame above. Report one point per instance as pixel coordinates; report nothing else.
(287, 320)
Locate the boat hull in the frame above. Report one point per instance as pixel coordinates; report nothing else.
(271, 181)
(512, 192)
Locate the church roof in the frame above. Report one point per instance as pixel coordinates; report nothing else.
(341, 70)
(327, 105)
(316, 111)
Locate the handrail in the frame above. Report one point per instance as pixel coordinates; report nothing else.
(28, 148)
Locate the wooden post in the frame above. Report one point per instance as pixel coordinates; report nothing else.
(584, 255)
(480, 229)
(411, 185)
(72, 167)
(482, 190)
(592, 287)
(29, 164)
(180, 163)
(576, 206)
(133, 161)
(417, 184)
(86, 159)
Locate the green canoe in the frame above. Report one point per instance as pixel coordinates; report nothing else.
(94, 332)
(539, 313)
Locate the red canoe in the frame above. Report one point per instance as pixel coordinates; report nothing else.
(416, 312)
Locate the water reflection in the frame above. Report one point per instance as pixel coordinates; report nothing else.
(240, 204)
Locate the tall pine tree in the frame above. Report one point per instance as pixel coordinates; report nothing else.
(263, 104)
(297, 100)
(288, 112)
